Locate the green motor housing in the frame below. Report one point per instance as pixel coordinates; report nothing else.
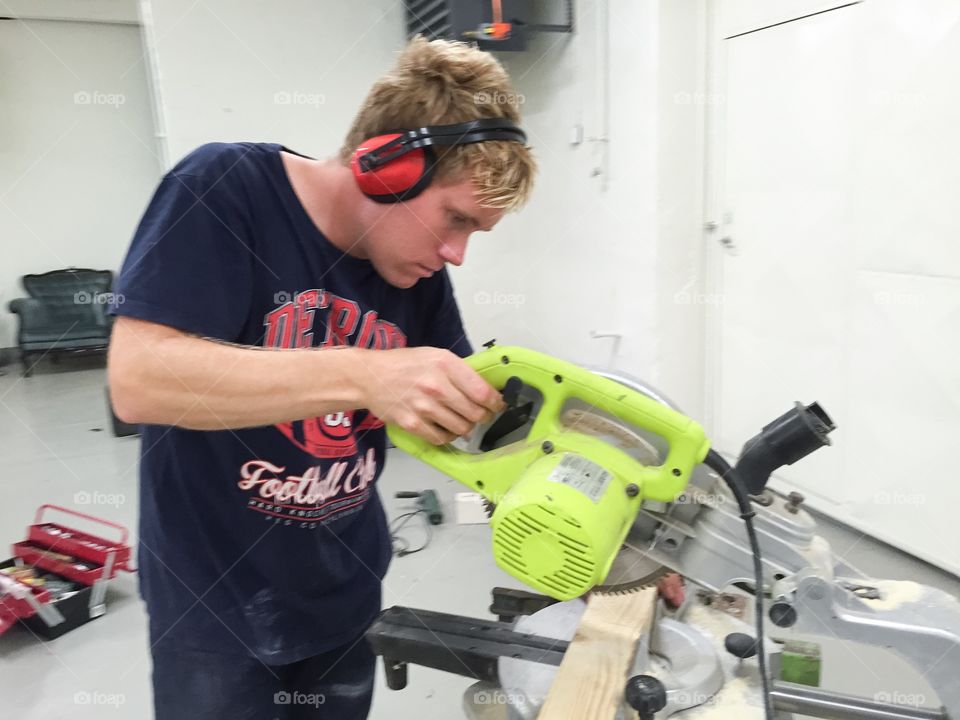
(559, 527)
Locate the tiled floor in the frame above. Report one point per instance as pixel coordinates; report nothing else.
(56, 447)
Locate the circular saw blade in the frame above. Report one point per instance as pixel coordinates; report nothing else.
(612, 432)
(631, 570)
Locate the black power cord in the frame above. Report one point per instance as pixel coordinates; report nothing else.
(716, 462)
(401, 546)
(429, 507)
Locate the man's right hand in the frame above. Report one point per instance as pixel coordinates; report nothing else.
(428, 392)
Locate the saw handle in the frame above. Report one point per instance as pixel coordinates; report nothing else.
(507, 367)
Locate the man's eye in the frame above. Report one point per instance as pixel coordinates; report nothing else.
(459, 220)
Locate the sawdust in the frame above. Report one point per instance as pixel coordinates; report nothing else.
(735, 699)
(712, 622)
(738, 697)
(894, 593)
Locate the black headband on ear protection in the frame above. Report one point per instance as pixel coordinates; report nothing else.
(457, 134)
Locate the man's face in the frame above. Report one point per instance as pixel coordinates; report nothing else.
(412, 240)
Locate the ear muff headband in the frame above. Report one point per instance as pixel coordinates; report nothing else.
(398, 166)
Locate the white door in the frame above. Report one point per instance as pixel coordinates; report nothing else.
(839, 279)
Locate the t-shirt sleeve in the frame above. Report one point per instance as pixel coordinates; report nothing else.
(190, 264)
(445, 327)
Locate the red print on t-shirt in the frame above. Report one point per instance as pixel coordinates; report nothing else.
(293, 324)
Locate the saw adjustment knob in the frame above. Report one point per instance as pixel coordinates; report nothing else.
(646, 695)
(740, 645)
(783, 614)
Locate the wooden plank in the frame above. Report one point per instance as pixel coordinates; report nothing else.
(596, 666)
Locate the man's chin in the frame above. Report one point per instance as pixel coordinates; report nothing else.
(400, 280)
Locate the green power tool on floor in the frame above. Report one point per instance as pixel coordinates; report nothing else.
(556, 467)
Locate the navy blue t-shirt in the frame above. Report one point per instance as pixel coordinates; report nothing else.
(270, 540)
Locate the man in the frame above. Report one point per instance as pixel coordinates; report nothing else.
(276, 312)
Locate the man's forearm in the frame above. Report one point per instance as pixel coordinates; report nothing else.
(162, 376)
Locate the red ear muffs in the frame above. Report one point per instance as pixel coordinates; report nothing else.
(398, 179)
(397, 166)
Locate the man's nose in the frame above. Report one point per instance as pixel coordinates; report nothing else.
(453, 250)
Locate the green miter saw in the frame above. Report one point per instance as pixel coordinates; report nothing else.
(566, 466)
(598, 483)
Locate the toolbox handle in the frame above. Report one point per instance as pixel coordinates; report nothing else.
(124, 533)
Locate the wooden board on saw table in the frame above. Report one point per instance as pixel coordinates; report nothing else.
(595, 668)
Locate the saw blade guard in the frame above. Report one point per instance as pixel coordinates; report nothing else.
(566, 499)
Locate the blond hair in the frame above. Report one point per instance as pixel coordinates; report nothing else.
(442, 82)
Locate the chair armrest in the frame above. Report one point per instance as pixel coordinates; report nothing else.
(16, 304)
(30, 310)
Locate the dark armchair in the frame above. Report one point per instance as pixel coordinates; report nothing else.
(66, 311)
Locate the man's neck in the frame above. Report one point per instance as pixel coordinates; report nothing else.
(331, 198)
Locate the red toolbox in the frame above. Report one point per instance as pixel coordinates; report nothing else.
(57, 577)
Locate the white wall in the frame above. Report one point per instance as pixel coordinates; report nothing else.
(682, 297)
(839, 190)
(292, 72)
(98, 11)
(77, 158)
